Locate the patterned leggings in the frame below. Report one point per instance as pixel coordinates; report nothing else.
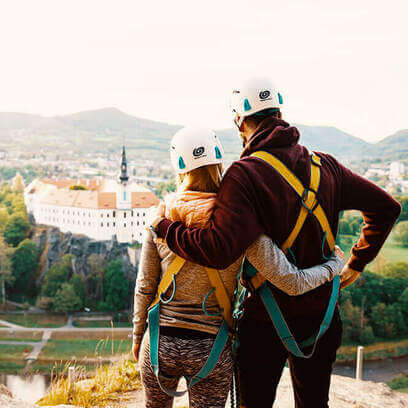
(181, 356)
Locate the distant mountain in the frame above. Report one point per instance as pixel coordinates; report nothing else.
(106, 129)
(392, 147)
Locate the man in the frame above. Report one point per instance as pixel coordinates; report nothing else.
(255, 199)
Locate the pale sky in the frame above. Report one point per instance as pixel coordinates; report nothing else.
(340, 63)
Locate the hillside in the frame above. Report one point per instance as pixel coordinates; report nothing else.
(106, 129)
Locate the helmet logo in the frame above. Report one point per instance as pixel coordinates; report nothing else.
(265, 94)
(198, 151)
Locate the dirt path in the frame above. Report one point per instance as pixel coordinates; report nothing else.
(345, 393)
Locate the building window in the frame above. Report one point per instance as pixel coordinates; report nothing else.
(144, 214)
(107, 224)
(124, 196)
(137, 214)
(124, 214)
(114, 214)
(101, 215)
(124, 224)
(107, 215)
(138, 223)
(131, 223)
(144, 223)
(131, 214)
(101, 224)
(114, 223)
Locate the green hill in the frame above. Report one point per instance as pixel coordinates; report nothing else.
(106, 129)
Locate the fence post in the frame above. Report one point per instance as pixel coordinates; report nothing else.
(71, 380)
(359, 368)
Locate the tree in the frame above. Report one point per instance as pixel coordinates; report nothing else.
(116, 287)
(16, 229)
(4, 216)
(344, 227)
(367, 335)
(403, 303)
(66, 300)
(18, 183)
(6, 275)
(56, 276)
(77, 187)
(351, 316)
(97, 265)
(24, 264)
(401, 233)
(78, 286)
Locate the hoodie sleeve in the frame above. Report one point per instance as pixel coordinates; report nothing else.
(273, 265)
(233, 227)
(148, 279)
(380, 212)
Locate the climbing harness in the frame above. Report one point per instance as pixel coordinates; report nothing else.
(309, 206)
(225, 332)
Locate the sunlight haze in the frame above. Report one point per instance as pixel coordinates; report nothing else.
(342, 64)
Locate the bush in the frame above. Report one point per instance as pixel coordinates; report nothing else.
(66, 300)
(401, 233)
(367, 335)
(398, 382)
(44, 302)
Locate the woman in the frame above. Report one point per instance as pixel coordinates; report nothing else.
(188, 327)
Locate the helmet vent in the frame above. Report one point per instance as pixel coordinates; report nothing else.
(182, 165)
(280, 98)
(247, 105)
(218, 154)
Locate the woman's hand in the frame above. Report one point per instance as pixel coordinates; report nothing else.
(136, 350)
(338, 252)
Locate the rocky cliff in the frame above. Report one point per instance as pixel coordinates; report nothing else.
(53, 245)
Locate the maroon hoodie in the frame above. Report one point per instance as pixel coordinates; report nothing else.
(254, 199)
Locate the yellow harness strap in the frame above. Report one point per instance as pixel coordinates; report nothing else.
(309, 202)
(167, 279)
(308, 195)
(214, 278)
(221, 294)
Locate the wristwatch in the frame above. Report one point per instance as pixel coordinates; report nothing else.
(154, 226)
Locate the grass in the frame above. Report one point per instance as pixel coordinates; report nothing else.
(13, 352)
(392, 251)
(100, 323)
(78, 349)
(399, 383)
(35, 320)
(22, 335)
(12, 367)
(106, 387)
(377, 351)
(9, 338)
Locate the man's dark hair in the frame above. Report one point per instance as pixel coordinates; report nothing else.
(258, 117)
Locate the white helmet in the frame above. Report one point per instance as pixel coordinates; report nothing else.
(193, 147)
(255, 95)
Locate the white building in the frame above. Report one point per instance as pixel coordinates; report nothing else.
(100, 209)
(397, 170)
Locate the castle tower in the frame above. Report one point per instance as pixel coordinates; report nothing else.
(123, 189)
(123, 177)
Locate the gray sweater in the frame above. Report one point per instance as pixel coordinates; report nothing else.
(192, 284)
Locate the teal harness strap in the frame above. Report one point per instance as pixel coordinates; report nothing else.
(279, 322)
(154, 331)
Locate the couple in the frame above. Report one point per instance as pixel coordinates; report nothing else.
(276, 196)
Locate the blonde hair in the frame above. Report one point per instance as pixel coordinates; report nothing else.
(206, 179)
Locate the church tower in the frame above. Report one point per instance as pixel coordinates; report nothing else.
(123, 177)
(123, 197)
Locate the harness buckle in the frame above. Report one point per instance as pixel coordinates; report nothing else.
(304, 197)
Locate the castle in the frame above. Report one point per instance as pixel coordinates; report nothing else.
(98, 208)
